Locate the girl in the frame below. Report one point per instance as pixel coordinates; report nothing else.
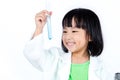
(82, 43)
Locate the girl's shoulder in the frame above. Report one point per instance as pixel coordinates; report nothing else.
(101, 68)
(96, 59)
(96, 62)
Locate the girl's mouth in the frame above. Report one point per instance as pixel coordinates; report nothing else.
(70, 44)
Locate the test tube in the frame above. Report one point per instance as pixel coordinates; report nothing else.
(49, 27)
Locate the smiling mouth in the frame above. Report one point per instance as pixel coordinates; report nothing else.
(70, 44)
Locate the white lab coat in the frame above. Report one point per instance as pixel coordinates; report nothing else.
(55, 64)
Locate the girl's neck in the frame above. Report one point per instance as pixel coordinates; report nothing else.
(79, 58)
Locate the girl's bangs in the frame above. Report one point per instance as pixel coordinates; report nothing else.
(79, 22)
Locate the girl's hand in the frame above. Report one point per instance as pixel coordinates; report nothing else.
(40, 20)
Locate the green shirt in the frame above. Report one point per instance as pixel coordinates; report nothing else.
(79, 71)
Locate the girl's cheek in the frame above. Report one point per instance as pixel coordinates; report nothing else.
(63, 37)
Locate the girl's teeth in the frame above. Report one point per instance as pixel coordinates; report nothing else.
(70, 44)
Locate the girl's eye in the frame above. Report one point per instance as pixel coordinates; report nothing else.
(64, 31)
(74, 31)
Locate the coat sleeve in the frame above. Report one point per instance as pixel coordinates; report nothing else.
(39, 57)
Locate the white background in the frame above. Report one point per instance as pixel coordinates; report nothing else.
(17, 25)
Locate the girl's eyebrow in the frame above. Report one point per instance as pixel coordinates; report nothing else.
(70, 27)
(64, 28)
(74, 27)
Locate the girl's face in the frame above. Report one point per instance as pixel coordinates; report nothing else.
(75, 39)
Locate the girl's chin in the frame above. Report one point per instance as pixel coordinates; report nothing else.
(71, 50)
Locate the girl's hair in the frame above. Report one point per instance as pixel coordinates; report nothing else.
(89, 21)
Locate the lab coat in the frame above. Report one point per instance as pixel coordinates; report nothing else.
(54, 64)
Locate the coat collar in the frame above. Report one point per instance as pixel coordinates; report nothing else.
(64, 66)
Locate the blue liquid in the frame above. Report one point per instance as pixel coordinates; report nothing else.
(49, 27)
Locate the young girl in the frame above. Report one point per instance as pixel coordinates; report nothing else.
(82, 43)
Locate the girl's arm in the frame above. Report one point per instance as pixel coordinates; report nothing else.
(35, 53)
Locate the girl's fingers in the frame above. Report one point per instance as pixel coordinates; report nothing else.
(41, 16)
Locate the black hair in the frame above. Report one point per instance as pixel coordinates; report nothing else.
(89, 21)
